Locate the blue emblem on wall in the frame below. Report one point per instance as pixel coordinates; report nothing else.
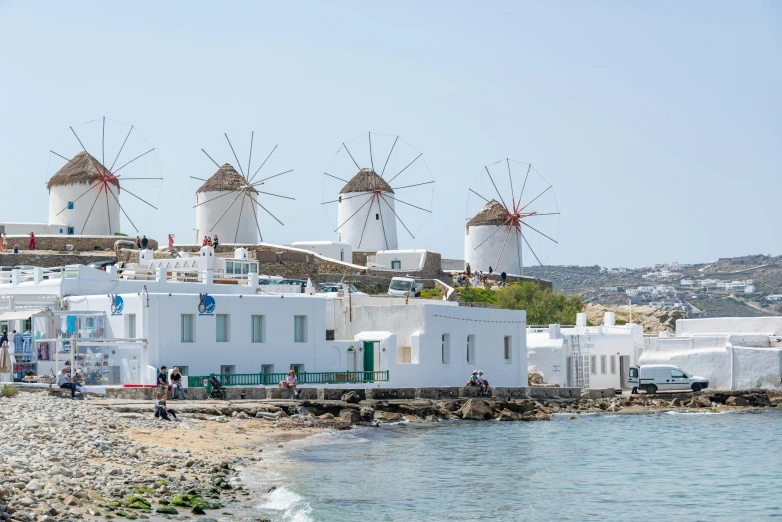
(207, 305)
(117, 304)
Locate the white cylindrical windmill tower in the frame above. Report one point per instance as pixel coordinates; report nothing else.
(84, 198)
(365, 213)
(224, 208)
(490, 240)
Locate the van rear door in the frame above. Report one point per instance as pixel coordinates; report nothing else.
(632, 376)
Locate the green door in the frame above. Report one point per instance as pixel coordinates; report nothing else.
(369, 356)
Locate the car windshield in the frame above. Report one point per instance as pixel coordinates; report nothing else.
(397, 284)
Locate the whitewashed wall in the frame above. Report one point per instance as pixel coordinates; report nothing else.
(374, 238)
(488, 253)
(409, 259)
(208, 215)
(98, 223)
(331, 249)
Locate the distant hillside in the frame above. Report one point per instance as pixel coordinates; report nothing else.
(727, 287)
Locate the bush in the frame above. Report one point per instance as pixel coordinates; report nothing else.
(8, 390)
(432, 293)
(478, 295)
(542, 306)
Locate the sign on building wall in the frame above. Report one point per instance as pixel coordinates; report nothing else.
(207, 305)
(117, 304)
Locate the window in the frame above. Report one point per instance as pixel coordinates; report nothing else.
(266, 369)
(298, 368)
(634, 372)
(227, 369)
(445, 349)
(593, 364)
(254, 268)
(229, 267)
(131, 331)
(377, 216)
(677, 374)
(342, 255)
(60, 231)
(507, 347)
(602, 365)
(613, 365)
(329, 335)
(70, 205)
(187, 328)
(70, 231)
(299, 328)
(258, 327)
(470, 349)
(396, 265)
(223, 328)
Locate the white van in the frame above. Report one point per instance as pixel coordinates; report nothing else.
(405, 286)
(663, 377)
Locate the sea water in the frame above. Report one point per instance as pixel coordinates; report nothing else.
(662, 466)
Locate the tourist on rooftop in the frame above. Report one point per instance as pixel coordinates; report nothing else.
(31, 244)
(216, 241)
(208, 241)
(144, 242)
(138, 242)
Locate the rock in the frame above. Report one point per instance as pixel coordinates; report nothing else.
(677, 403)
(507, 415)
(411, 418)
(70, 500)
(703, 402)
(534, 378)
(349, 415)
(167, 510)
(281, 414)
(386, 416)
(266, 415)
(33, 486)
(475, 409)
(367, 413)
(326, 416)
(737, 401)
(351, 397)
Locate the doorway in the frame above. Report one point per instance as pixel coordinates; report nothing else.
(369, 356)
(624, 365)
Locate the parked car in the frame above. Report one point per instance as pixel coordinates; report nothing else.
(336, 287)
(299, 282)
(405, 286)
(663, 377)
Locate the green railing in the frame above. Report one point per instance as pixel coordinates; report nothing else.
(273, 379)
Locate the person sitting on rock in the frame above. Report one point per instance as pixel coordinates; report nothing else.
(483, 383)
(290, 381)
(162, 411)
(473, 379)
(162, 380)
(176, 384)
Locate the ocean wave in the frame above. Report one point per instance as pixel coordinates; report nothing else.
(292, 505)
(698, 412)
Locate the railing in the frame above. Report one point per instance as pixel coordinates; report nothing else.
(273, 379)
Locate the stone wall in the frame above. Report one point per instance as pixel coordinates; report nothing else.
(80, 243)
(51, 259)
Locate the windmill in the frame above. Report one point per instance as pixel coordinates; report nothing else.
(369, 203)
(84, 194)
(517, 220)
(226, 202)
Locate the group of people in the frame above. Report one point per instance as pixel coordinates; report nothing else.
(142, 242)
(478, 278)
(4, 243)
(170, 383)
(208, 241)
(71, 382)
(477, 379)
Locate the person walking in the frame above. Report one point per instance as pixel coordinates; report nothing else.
(144, 242)
(468, 271)
(31, 244)
(475, 280)
(503, 278)
(138, 242)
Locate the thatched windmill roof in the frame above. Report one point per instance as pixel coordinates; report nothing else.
(83, 168)
(366, 180)
(225, 179)
(493, 213)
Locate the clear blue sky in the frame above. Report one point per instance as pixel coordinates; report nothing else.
(659, 123)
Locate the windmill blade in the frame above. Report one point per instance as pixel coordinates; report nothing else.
(495, 187)
(77, 199)
(371, 159)
(503, 247)
(531, 249)
(264, 208)
(275, 195)
(226, 210)
(86, 220)
(270, 177)
(529, 167)
(389, 156)
(483, 198)
(262, 164)
(397, 216)
(408, 204)
(140, 199)
(380, 212)
(416, 185)
(335, 177)
(235, 157)
(351, 155)
(120, 149)
(511, 185)
(103, 157)
(354, 213)
(538, 231)
(207, 201)
(135, 179)
(260, 235)
(369, 211)
(239, 221)
(536, 197)
(60, 155)
(78, 139)
(343, 199)
(199, 179)
(548, 214)
(108, 210)
(211, 158)
(134, 159)
(404, 169)
(485, 240)
(518, 254)
(250, 159)
(123, 211)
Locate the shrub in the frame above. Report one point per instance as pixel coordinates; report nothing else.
(542, 306)
(432, 293)
(8, 390)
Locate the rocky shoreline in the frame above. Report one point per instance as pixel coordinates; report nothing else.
(63, 460)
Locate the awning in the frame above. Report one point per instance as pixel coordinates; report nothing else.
(19, 315)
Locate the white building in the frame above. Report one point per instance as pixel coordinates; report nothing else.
(206, 318)
(365, 213)
(330, 249)
(403, 260)
(585, 356)
(731, 352)
(79, 202)
(218, 213)
(485, 246)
